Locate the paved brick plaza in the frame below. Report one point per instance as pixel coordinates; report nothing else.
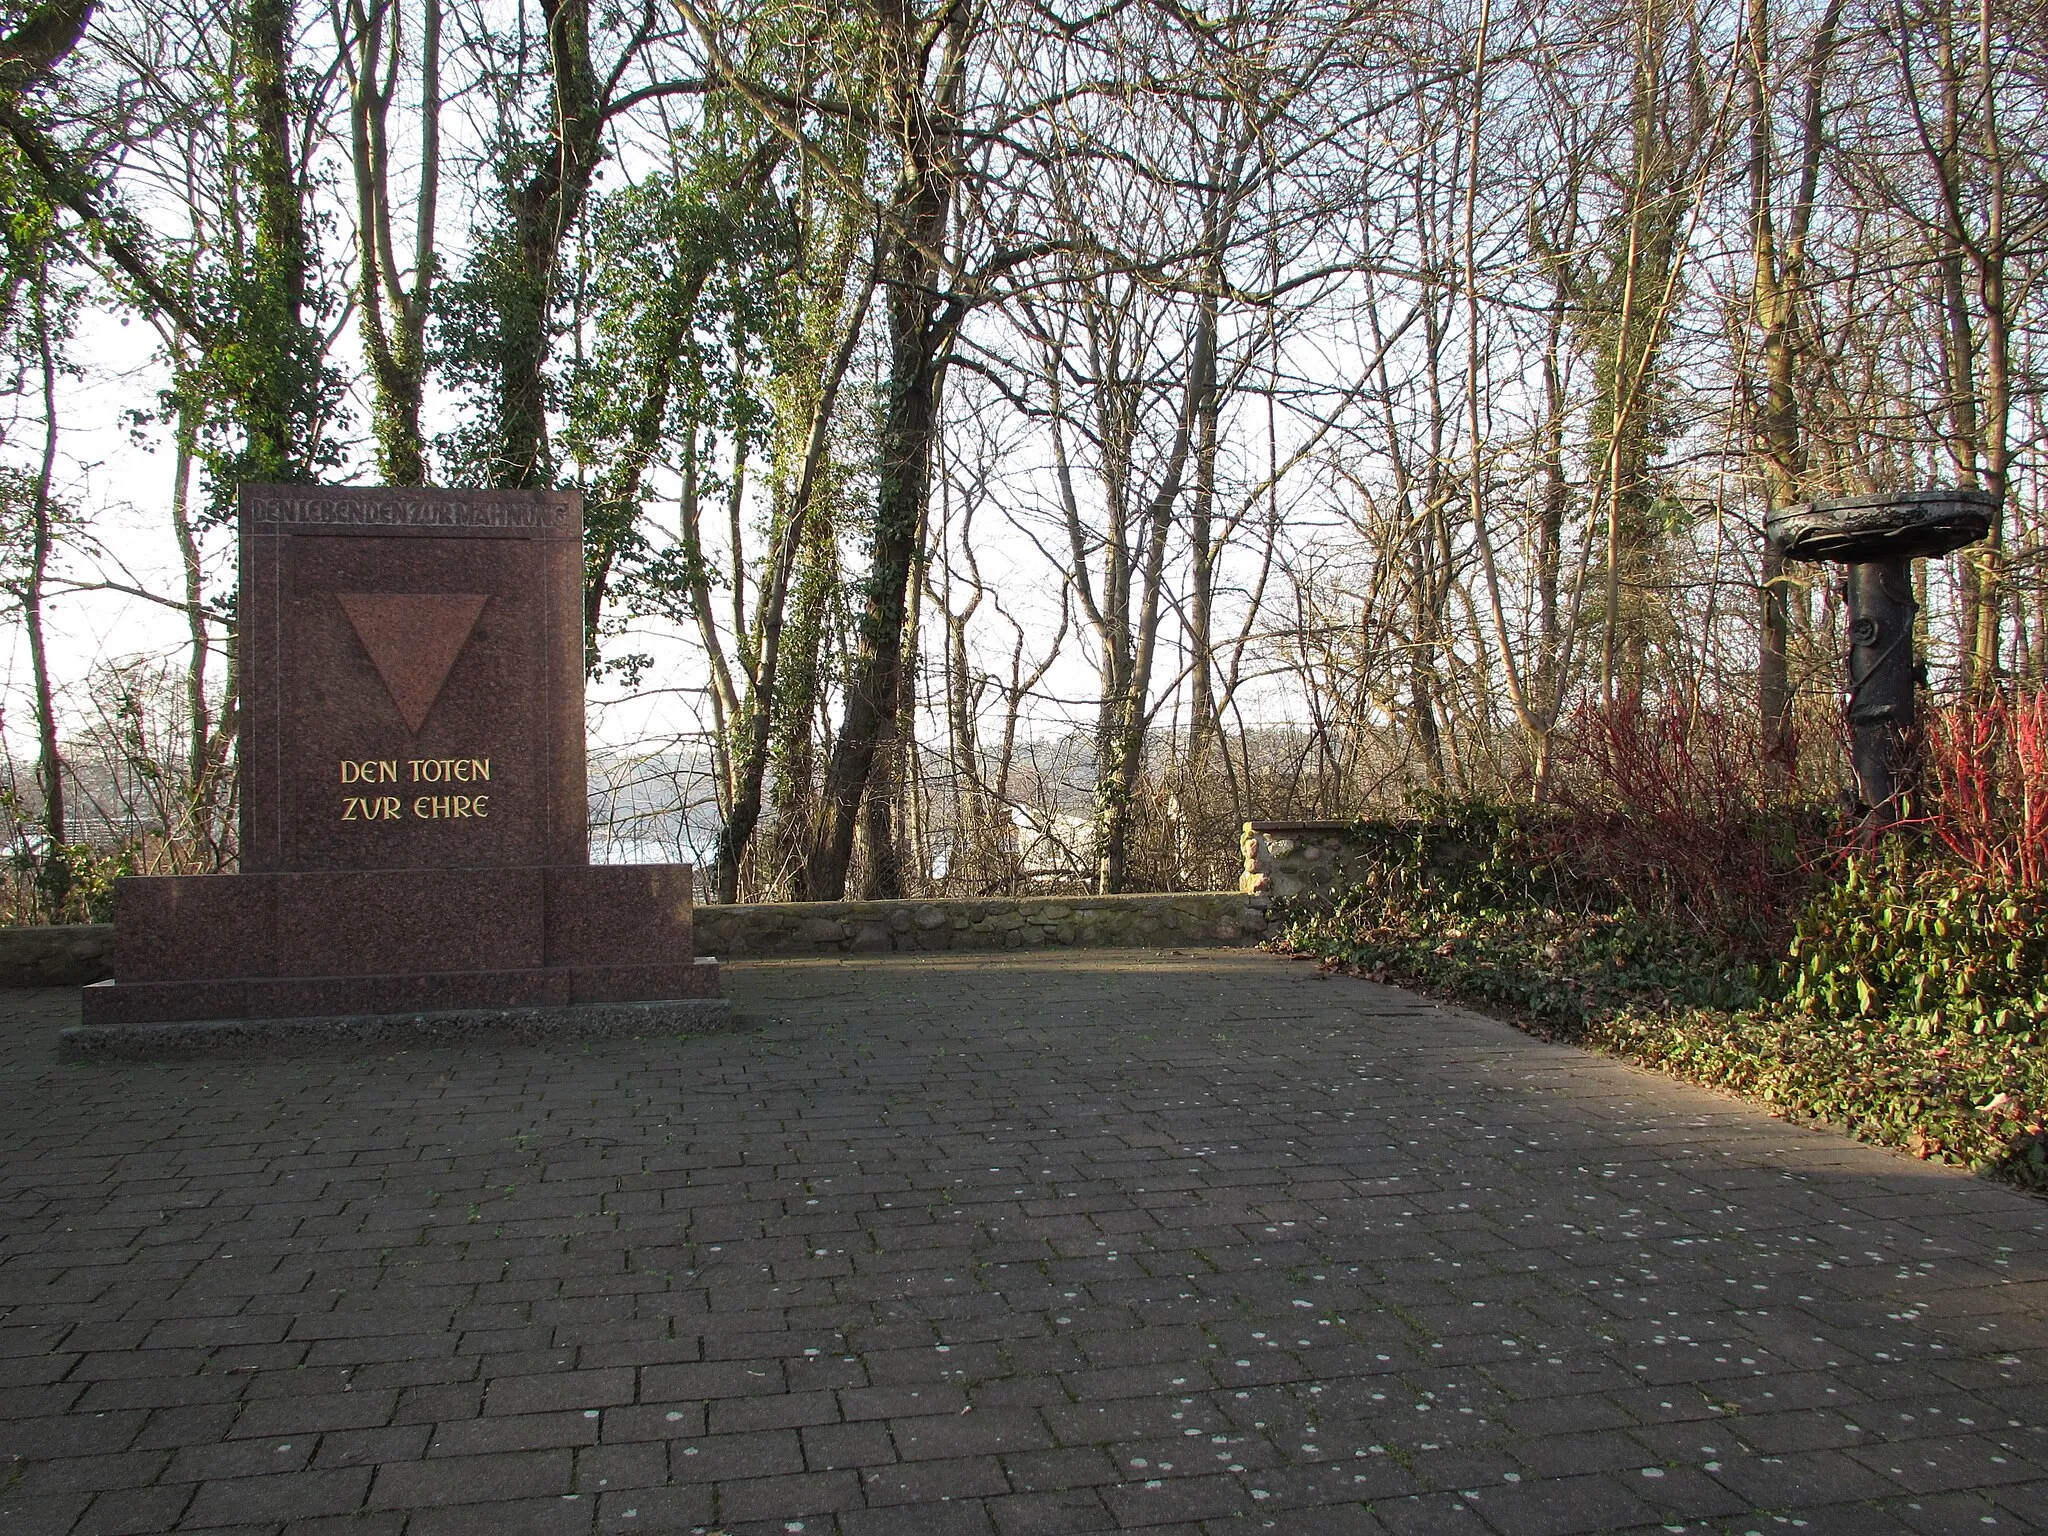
(1070, 1243)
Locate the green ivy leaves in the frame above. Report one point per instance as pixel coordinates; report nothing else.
(1910, 1005)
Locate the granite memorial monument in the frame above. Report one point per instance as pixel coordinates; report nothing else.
(414, 843)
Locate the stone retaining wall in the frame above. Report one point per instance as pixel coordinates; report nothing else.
(1316, 861)
(1293, 860)
(76, 956)
(1206, 918)
(72, 956)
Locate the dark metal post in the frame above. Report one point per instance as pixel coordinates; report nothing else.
(1881, 682)
(1877, 538)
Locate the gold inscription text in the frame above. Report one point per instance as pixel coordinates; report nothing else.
(416, 770)
(450, 770)
(451, 807)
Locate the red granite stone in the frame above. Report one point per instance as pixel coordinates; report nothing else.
(619, 914)
(158, 1002)
(635, 983)
(190, 927)
(463, 745)
(330, 996)
(163, 1002)
(398, 921)
(412, 640)
(413, 798)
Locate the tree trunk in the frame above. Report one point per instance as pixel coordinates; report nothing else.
(1778, 282)
(544, 209)
(914, 232)
(394, 349)
(42, 545)
(881, 864)
(908, 423)
(198, 647)
(1202, 724)
(280, 389)
(1547, 685)
(791, 721)
(1126, 713)
(1988, 253)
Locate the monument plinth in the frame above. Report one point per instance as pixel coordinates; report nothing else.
(414, 843)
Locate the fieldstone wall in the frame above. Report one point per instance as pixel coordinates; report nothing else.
(1205, 918)
(73, 956)
(78, 956)
(1310, 862)
(1293, 860)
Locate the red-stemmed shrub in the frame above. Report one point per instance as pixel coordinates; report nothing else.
(1668, 803)
(1984, 787)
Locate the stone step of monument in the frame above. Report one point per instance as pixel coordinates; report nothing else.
(289, 997)
(386, 1032)
(353, 922)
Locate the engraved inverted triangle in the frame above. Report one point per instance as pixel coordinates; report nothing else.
(413, 639)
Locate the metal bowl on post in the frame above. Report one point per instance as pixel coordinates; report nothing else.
(1859, 530)
(1877, 538)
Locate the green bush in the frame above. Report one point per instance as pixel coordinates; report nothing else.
(1481, 901)
(1911, 1008)
(1910, 1005)
(1927, 950)
(67, 883)
(49, 882)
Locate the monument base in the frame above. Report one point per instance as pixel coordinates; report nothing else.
(328, 944)
(298, 997)
(396, 1031)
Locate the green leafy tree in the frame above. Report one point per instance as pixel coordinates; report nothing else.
(240, 295)
(38, 310)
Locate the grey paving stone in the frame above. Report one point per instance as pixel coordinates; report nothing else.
(445, 1480)
(1946, 1464)
(134, 1511)
(360, 1523)
(1429, 1514)
(968, 1518)
(239, 1458)
(576, 1390)
(829, 1447)
(1477, 1282)
(786, 1410)
(982, 1432)
(1156, 1501)
(925, 1482)
(721, 1458)
(514, 1432)
(800, 1494)
(88, 1474)
(1049, 1514)
(1800, 1478)
(564, 1516)
(1060, 1470)
(1956, 1512)
(602, 1467)
(40, 1516)
(75, 1434)
(277, 1416)
(284, 1496)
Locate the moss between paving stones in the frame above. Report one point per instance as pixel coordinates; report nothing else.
(1910, 1007)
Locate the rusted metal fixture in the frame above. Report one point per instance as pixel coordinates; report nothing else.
(1878, 538)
